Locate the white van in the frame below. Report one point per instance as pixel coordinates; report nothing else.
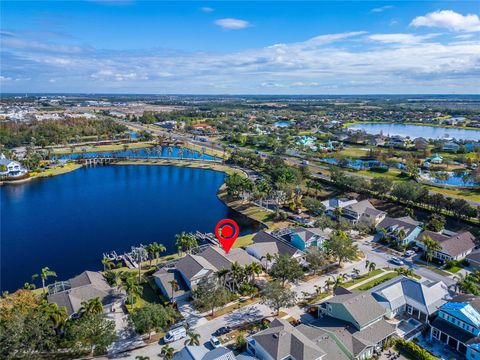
(175, 334)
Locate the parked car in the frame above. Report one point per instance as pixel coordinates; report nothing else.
(409, 253)
(222, 331)
(175, 334)
(215, 342)
(396, 261)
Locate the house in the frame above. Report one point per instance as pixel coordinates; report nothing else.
(283, 341)
(336, 203)
(201, 353)
(450, 146)
(453, 246)
(435, 159)
(356, 321)
(397, 141)
(474, 259)
(84, 287)
(266, 246)
(458, 325)
(192, 268)
(363, 212)
(421, 143)
(171, 284)
(303, 238)
(403, 230)
(11, 168)
(203, 128)
(408, 297)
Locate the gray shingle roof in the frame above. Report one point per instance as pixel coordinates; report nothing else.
(397, 225)
(281, 339)
(360, 207)
(281, 247)
(86, 286)
(165, 276)
(361, 306)
(452, 245)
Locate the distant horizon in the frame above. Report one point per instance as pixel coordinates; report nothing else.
(226, 94)
(235, 48)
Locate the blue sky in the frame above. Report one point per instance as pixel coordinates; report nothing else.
(338, 47)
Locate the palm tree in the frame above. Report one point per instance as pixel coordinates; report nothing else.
(371, 267)
(194, 339)
(222, 276)
(329, 282)
(185, 242)
(338, 281)
(367, 264)
(132, 287)
(57, 315)
(430, 247)
(318, 289)
(174, 284)
(92, 306)
(154, 249)
(107, 263)
(167, 352)
(45, 273)
(256, 269)
(237, 273)
(356, 272)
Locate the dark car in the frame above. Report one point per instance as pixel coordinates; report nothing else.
(222, 331)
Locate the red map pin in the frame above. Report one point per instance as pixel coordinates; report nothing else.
(227, 232)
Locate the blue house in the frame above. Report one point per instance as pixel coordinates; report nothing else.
(458, 325)
(303, 238)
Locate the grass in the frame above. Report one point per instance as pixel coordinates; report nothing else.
(377, 281)
(231, 308)
(362, 278)
(110, 147)
(243, 241)
(454, 269)
(148, 296)
(57, 170)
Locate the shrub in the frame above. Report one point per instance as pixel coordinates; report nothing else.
(413, 350)
(379, 169)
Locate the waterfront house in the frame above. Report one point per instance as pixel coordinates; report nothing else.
(403, 296)
(11, 168)
(421, 143)
(363, 212)
(454, 246)
(450, 146)
(458, 325)
(403, 230)
(474, 259)
(397, 141)
(171, 284)
(193, 268)
(267, 246)
(303, 238)
(84, 287)
(356, 321)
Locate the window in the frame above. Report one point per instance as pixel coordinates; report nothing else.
(409, 309)
(435, 333)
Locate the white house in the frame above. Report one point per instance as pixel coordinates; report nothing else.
(11, 168)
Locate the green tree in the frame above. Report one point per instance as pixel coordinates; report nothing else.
(45, 273)
(313, 205)
(316, 259)
(92, 306)
(210, 295)
(381, 185)
(185, 242)
(175, 286)
(341, 247)
(286, 269)
(132, 287)
(167, 352)
(276, 296)
(430, 247)
(193, 339)
(90, 332)
(154, 249)
(152, 317)
(107, 264)
(436, 222)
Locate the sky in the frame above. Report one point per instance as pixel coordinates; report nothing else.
(228, 47)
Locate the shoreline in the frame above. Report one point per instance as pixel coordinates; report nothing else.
(352, 123)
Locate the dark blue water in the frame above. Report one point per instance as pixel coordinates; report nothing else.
(67, 222)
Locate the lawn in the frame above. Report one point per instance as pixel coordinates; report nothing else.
(362, 278)
(111, 147)
(57, 170)
(377, 281)
(243, 241)
(454, 269)
(148, 296)
(230, 308)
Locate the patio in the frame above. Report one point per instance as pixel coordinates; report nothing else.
(438, 349)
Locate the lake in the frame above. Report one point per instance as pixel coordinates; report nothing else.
(414, 131)
(67, 222)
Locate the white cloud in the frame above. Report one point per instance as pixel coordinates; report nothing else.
(401, 38)
(5, 78)
(232, 24)
(450, 20)
(382, 9)
(206, 9)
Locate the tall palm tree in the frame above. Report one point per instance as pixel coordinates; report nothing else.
(430, 247)
(367, 264)
(154, 249)
(329, 282)
(356, 271)
(256, 270)
(132, 287)
(222, 275)
(174, 284)
(185, 242)
(371, 267)
(57, 315)
(167, 352)
(107, 263)
(237, 274)
(193, 339)
(45, 273)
